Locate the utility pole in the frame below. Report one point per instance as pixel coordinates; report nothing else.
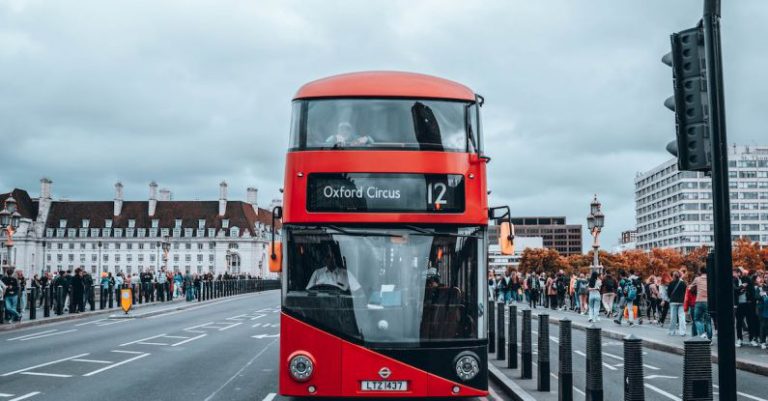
(726, 338)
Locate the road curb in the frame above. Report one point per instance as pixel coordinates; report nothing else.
(508, 385)
(67, 317)
(747, 366)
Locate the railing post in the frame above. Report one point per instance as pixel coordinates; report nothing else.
(2, 311)
(565, 371)
(512, 344)
(200, 291)
(92, 298)
(501, 339)
(491, 326)
(634, 390)
(594, 387)
(543, 376)
(697, 370)
(111, 298)
(32, 299)
(47, 300)
(526, 353)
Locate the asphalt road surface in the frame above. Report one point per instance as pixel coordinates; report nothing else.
(663, 371)
(220, 350)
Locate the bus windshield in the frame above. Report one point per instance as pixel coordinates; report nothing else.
(411, 124)
(378, 285)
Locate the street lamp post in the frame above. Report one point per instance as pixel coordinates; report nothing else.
(229, 260)
(9, 222)
(595, 222)
(166, 248)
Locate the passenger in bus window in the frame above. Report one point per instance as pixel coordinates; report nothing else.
(331, 274)
(345, 137)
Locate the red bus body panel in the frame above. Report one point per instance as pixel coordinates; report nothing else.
(385, 84)
(300, 164)
(341, 366)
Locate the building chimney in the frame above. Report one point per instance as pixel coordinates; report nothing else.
(165, 195)
(152, 198)
(252, 198)
(222, 198)
(45, 188)
(118, 198)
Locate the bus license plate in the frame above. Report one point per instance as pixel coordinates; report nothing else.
(384, 385)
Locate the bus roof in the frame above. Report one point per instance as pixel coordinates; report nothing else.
(385, 84)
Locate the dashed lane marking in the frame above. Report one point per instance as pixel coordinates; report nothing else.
(260, 336)
(142, 340)
(91, 361)
(126, 352)
(31, 335)
(56, 333)
(97, 371)
(188, 340)
(25, 396)
(91, 322)
(662, 392)
(269, 397)
(45, 364)
(44, 374)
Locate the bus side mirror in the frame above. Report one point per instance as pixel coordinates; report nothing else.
(507, 238)
(276, 258)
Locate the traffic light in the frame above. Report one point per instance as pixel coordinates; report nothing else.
(688, 62)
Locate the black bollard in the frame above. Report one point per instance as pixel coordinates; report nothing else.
(526, 353)
(500, 338)
(697, 370)
(594, 387)
(199, 291)
(59, 300)
(512, 335)
(47, 301)
(491, 326)
(2, 312)
(92, 297)
(111, 298)
(634, 390)
(565, 371)
(543, 362)
(32, 303)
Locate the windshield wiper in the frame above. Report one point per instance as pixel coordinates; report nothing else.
(424, 231)
(362, 233)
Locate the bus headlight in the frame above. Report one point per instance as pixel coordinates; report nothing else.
(467, 366)
(301, 367)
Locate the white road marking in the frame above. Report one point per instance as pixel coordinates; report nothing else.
(662, 392)
(181, 337)
(48, 335)
(609, 366)
(114, 322)
(258, 316)
(188, 340)
(613, 356)
(91, 322)
(660, 377)
(6, 395)
(197, 327)
(142, 340)
(256, 325)
(145, 343)
(577, 352)
(45, 364)
(91, 361)
(230, 326)
(116, 364)
(25, 396)
(239, 372)
(32, 334)
(651, 367)
(260, 336)
(44, 374)
(554, 339)
(752, 397)
(126, 352)
(269, 397)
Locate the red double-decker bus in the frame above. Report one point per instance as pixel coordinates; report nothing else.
(383, 242)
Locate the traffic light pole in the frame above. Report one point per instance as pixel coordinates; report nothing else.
(726, 337)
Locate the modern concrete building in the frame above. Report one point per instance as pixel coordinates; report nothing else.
(498, 262)
(673, 209)
(627, 241)
(122, 235)
(555, 233)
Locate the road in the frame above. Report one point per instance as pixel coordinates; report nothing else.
(663, 371)
(221, 350)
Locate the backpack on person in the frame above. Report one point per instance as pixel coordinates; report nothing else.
(631, 292)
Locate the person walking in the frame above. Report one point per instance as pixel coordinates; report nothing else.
(629, 291)
(78, 289)
(701, 309)
(551, 287)
(11, 282)
(652, 309)
(609, 294)
(583, 292)
(593, 288)
(665, 278)
(677, 290)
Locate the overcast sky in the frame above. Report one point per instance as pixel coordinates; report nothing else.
(192, 92)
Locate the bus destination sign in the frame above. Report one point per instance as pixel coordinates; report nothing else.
(376, 192)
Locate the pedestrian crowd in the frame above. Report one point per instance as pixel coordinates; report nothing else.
(78, 288)
(672, 299)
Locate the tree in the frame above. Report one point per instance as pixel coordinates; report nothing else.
(663, 260)
(746, 254)
(696, 259)
(543, 259)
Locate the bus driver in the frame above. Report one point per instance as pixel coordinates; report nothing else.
(345, 137)
(332, 275)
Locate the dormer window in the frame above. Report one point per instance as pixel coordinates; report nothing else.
(155, 223)
(177, 224)
(131, 223)
(108, 223)
(86, 223)
(225, 223)
(201, 224)
(63, 223)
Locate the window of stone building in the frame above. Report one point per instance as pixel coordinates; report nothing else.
(63, 223)
(201, 223)
(108, 223)
(85, 223)
(177, 223)
(225, 223)
(155, 223)
(131, 223)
